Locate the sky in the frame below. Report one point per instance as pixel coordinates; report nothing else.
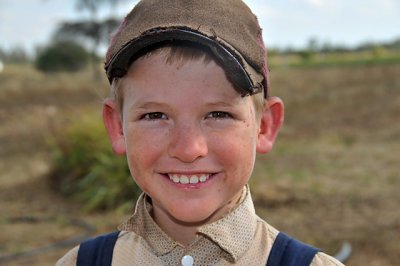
(286, 23)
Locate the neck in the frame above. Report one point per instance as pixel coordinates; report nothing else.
(181, 232)
(185, 233)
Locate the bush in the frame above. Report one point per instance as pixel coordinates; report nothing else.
(307, 55)
(86, 169)
(62, 56)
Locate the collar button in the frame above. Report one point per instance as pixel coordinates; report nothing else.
(187, 260)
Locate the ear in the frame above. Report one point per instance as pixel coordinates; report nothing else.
(271, 122)
(113, 123)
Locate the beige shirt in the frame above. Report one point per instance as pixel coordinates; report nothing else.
(240, 238)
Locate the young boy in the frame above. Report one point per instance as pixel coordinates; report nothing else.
(190, 108)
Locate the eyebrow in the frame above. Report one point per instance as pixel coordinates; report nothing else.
(221, 103)
(156, 104)
(147, 105)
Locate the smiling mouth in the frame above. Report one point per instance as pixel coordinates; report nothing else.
(189, 179)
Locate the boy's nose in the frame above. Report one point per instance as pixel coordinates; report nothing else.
(188, 143)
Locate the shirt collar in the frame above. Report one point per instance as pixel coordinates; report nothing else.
(143, 225)
(233, 233)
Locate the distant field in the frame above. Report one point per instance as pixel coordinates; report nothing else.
(333, 175)
(338, 59)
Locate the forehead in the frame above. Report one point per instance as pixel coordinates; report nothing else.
(156, 75)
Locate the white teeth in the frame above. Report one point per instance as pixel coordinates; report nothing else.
(184, 179)
(175, 178)
(194, 179)
(203, 178)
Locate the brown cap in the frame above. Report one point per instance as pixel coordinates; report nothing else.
(227, 27)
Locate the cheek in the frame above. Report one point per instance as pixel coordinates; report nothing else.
(142, 158)
(142, 152)
(237, 151)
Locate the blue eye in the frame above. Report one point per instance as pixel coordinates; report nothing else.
(154, 116)
(219, 115)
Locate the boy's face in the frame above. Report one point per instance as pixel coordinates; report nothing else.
(189, 137)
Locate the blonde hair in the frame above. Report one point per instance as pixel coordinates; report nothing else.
(179, 54)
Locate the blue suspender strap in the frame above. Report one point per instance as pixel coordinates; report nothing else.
(97, 251)
(287, 251)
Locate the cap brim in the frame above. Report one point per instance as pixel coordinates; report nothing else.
(119, 64)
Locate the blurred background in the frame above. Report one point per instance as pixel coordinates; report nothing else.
(333, 177)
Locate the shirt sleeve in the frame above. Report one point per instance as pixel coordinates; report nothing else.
(69, 259)
(322, 259)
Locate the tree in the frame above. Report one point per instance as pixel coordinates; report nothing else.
(309, 53)
(92, 31)
(93, 6)
(95, 30)
(62, 56)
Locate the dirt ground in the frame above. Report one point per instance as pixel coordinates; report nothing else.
(333, 176)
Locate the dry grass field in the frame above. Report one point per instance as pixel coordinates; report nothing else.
(334, 175)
